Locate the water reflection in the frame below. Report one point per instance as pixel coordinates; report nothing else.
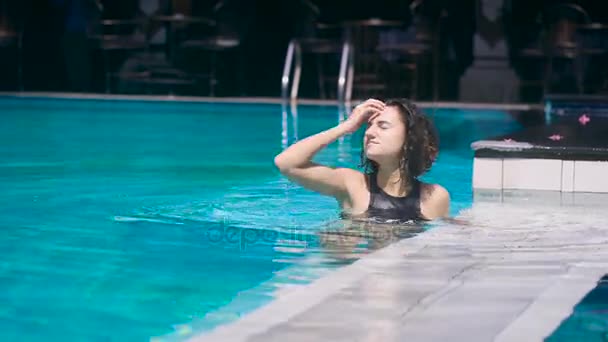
(289, 110)
(347, 240)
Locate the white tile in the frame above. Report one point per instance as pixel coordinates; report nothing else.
(532, 174)
(591, 176)
(567, 175)
(487, 173)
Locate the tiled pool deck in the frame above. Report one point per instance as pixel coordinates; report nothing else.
(513, 272)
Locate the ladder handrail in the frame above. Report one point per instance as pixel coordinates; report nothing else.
(293, 52)
(345, 78)
(293, 60)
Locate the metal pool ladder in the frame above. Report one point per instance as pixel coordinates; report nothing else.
(293, 60)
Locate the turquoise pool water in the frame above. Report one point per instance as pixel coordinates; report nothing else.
(589, 318)
(126, 220)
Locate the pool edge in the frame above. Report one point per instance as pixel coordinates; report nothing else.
(283, 308)
(262, 100)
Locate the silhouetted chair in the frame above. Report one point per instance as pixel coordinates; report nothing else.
(215, 36)
(117, 40)
(558, 41)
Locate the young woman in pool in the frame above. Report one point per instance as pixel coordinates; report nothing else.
(400, 144)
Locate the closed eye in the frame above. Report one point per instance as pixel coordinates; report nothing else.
(384, 124)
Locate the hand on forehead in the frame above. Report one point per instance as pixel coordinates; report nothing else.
(386, 114)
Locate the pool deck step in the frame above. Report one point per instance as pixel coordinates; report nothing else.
(568, 154)
(511, 273)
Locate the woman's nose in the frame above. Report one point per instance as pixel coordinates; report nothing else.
(370, 133)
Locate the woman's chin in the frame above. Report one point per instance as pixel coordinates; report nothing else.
(372, 156)
(378, 156)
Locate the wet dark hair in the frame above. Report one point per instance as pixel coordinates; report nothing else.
(421, 144)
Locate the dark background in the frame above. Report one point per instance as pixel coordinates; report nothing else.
(55, 37)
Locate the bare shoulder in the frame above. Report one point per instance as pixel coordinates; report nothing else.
(435, 201)
(355, 183)
(434, 191)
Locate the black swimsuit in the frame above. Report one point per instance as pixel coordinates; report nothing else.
(386, 208)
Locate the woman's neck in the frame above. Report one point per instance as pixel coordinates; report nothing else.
(392, 181)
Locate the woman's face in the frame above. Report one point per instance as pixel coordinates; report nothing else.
(385, 136)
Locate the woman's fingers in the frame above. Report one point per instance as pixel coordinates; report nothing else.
(373, 112)
(368, 110)
(372, 107)
(373, 116)
(375, 104)
(374, 101)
